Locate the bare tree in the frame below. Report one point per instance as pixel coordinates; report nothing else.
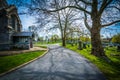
(61, 19)
(100, 14)
(97, 15)
(65, 18)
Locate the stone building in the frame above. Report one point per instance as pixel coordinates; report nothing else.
(10, 29)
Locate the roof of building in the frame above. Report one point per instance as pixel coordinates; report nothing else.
(24, 34)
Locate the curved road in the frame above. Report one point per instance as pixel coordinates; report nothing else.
(58, 64)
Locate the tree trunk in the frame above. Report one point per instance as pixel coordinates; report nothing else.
(96, 43)
(63, 41)
(63, 38)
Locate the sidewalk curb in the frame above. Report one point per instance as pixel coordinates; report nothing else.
(15, 68)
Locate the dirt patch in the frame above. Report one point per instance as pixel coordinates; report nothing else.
(7, 53)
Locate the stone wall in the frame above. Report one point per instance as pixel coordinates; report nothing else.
(5, 46)
(9, 24)
(4, 41)
(3, 4)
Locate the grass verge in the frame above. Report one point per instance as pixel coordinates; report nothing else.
(44, 44)
(110, 69)
(9, 62)
(41, 46)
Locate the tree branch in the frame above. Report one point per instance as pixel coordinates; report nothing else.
(105, 3)
(111, 23)
(85, 22)
(118, 8)
(86, 2)
(79, 8)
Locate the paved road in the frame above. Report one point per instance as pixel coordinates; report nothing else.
(58, 64)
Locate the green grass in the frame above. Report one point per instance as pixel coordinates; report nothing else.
(39, 44)
(42, 46)
(9, 62)
(45, 43)
(110, 69)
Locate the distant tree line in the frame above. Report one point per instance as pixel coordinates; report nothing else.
(116, 38)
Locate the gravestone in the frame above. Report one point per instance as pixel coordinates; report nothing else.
(72, 43)
(84, 45)
(76, 42)
(118, 48)
(80, 45)
(88, 45)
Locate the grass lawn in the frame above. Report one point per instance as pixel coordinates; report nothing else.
(39, 44)
(9, 62)
(43, 44)
(110, 69)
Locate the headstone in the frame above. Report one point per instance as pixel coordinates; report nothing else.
(79, 45)
(118, 48)
(71, 43)
(84, 45)
(88, 45)
(76, 42)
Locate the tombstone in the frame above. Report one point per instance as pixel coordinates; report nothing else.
(84, 45)
(76, 42)
(80, 45)
(48, 41)
(71, 43)
(88, 45)
(118, 48)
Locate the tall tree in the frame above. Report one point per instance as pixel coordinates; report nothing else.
(98, 12)
(97, 15)
(65, 18)
(61, 19)
(100, 15)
